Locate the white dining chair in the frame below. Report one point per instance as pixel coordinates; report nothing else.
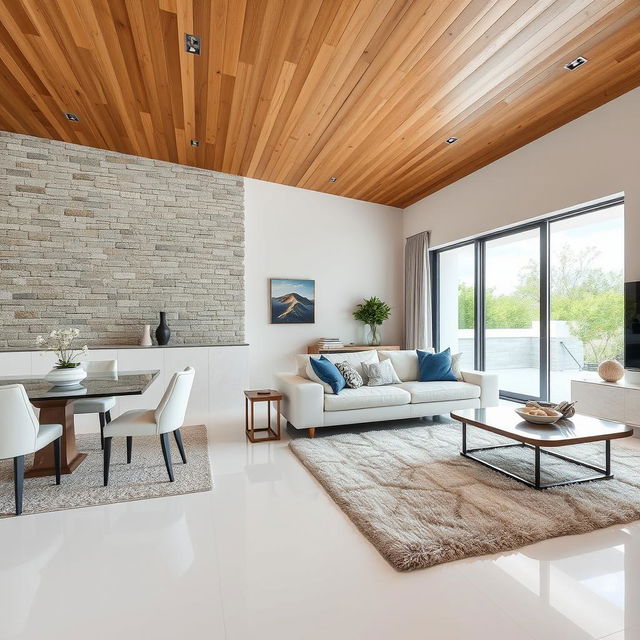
(166, 418)
(101, 406)
(20, 435)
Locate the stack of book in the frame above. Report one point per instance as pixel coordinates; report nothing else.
(330, 343)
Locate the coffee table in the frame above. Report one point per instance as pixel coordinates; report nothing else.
(579, 429)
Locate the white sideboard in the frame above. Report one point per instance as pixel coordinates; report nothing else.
(222, 373)
(618, 401)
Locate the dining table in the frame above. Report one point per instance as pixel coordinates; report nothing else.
(56, 407)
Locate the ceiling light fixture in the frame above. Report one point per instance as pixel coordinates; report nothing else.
(195, 143)
(192, 44)
(333, 179)
(72, 116)
(574, 64)
(451, 140)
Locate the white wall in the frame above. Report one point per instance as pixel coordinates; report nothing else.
(352, 249)
(222, 373)
(594, 156)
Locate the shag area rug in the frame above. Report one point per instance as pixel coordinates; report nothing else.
(420, 503)
(146, 476)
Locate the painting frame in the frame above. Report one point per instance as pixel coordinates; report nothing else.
(292, 301)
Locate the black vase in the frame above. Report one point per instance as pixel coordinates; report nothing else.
(163, 333)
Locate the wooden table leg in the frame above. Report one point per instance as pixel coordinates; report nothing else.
(57, 412)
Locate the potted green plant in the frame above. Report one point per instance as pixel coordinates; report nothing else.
(373, 312)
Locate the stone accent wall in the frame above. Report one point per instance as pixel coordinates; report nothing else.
(103, 241)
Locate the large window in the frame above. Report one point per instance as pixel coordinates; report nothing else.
(536, 304)
(456, 309)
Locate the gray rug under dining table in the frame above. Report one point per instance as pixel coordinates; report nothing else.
(146, 476)
(420, 503)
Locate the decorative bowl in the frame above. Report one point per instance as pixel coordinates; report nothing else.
(539, 419)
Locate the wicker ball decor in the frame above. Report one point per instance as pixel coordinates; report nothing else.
(610, 370)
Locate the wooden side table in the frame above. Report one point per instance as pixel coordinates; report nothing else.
(261, 395)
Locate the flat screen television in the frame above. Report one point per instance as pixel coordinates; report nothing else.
(632, 325)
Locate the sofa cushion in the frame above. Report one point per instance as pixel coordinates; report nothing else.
(434, 367)
(366, 398)
(355, 359)
(351, 376)
(404, 361)
(441, 391)
(327, 373)
(380, 373)
(455, 365)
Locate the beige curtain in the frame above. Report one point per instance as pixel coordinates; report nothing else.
(417, 292)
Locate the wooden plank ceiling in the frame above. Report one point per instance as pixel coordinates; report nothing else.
(297, 91)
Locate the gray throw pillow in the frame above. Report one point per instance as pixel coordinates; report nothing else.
(380, 373)
(350, 375)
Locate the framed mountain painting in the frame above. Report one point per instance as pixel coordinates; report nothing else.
(293, 301)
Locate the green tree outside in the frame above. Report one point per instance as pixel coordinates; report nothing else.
(588, 298)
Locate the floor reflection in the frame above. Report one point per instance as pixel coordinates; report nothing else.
(592, 581)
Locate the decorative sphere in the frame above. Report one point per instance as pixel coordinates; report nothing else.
(610, 370)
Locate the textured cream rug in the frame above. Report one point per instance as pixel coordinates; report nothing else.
(420, 503)
(146, 476)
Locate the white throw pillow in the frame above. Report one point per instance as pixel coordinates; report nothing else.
(355, 359)
(380, 373)
(405, 362)
(455, 365)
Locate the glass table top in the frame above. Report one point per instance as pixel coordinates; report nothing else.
(97, 385)
(580, 428)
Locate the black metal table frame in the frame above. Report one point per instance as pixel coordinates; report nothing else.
(604, 474)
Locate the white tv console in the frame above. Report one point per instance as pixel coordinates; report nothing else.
(618, 401)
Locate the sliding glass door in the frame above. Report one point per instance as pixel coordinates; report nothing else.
(512, 311)
(538, 305)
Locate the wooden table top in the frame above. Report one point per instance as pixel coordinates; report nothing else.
(506, 422)
(257, 394)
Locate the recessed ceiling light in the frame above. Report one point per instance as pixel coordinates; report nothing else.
(72, 116)
(451, 140)
(574, 64)
(192, 44)
(195, 143)
(333, 179)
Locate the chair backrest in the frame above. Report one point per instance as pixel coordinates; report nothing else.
(173, 406)
(18, 423)
(100, 366)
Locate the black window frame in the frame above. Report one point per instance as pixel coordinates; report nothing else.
(479, 243)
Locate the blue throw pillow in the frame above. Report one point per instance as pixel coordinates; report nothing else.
(328, 373)
(435, 366)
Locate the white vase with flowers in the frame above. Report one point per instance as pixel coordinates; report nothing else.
(67, 370)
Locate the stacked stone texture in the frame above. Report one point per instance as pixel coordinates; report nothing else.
(103, 241)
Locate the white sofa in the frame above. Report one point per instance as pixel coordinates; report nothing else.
(307, 406)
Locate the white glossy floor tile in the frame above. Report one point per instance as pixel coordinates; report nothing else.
(267, 554)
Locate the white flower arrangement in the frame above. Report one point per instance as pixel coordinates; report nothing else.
(61, 341)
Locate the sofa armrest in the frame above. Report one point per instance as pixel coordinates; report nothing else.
(488, 383)
(303, 404)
